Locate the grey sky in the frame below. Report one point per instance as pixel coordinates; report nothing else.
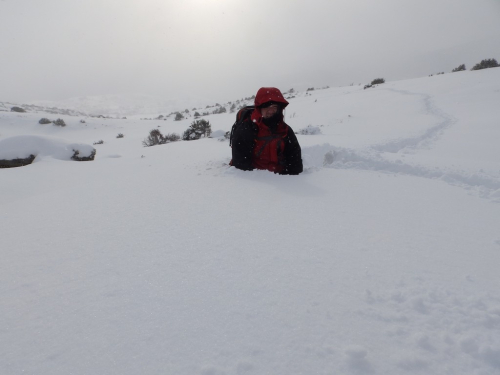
(226, 49)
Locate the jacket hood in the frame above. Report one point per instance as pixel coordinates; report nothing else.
(269, 94)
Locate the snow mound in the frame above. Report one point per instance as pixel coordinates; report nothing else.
(23, 146)
(218, 134)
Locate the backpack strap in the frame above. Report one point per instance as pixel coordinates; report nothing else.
(241, 116)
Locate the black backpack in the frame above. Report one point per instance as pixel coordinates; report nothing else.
(243, 114)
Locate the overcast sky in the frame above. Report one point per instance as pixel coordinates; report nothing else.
(225, 49)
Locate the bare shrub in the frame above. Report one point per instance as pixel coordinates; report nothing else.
(172, 137)
(157, 138)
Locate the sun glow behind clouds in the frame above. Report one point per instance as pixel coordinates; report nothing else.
(162, 47)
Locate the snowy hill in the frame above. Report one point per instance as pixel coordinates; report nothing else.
(124, 105)
(6, 107)
(381, 258)
(116, 106)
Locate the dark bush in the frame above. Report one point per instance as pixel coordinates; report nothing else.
(172, 137)
(196, 130)
(44, 121)
(310, 130)
(99, 142)
(178, 116)
(156, 138)
(190, 135)
(459, 68)
(378, 81)
(17, 109)
(219, 110)
(485, 64)
(59, 122)
(120, 135)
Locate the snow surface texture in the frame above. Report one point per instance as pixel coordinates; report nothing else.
(381, 258)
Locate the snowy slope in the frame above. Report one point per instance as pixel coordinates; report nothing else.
(381, 258)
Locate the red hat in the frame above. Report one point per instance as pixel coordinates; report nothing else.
(270, 94)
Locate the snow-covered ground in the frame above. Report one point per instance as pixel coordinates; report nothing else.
(381, 258)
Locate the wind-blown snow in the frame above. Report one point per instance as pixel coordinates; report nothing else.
(381, 258)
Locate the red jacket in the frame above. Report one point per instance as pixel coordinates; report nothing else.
(257, 146)
(269, 145)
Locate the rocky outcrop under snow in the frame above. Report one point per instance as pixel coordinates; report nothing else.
(23, 150)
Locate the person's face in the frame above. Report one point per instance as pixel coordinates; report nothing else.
(269, 111)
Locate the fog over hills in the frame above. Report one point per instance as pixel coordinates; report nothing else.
(123, 105)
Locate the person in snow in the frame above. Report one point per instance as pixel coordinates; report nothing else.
(262, 140)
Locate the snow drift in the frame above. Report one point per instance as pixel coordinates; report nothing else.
(24, 146)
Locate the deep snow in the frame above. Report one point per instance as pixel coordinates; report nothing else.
(381, 258)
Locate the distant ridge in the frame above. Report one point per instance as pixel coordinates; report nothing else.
(123, 105)
(6, 106)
